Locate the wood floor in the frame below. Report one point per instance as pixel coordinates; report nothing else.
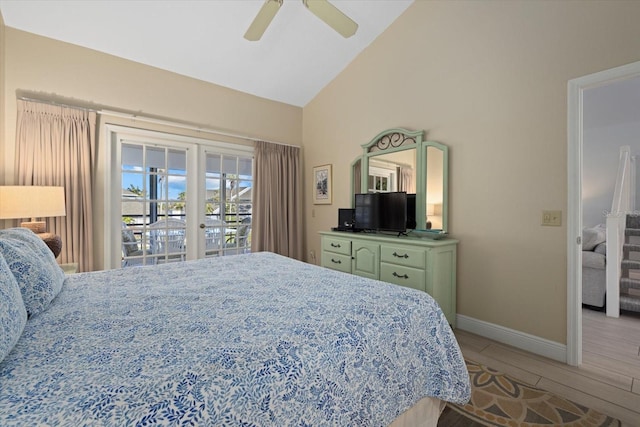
(608, 380)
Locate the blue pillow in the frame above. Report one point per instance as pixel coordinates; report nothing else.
(13, 315)
(33, 266)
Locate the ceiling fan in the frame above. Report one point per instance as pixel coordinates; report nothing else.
(324, 10)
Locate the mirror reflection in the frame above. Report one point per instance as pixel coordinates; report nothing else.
(434, 193)
(392, 172)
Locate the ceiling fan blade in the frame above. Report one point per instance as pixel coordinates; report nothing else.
(262, 19)
(332, 16)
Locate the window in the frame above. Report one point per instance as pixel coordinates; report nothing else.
(382, 179)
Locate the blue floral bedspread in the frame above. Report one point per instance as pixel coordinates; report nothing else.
(247, 340)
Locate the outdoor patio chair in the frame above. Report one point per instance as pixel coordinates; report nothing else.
(131, 249)
(167, 239)
(236, 244)
(214, 231)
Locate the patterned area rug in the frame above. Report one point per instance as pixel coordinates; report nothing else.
(499, 400)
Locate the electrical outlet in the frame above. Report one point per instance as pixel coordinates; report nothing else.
(552, 218)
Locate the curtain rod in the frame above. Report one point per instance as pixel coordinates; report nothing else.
(56, 103)
(155, 121)
(188, 127)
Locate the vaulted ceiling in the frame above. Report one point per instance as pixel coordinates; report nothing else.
(296, 57)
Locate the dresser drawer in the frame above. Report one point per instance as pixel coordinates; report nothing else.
(336, 261)
(338, 246)
(406, 256)
(403, 276)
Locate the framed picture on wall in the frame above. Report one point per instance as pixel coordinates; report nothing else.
(322, 185)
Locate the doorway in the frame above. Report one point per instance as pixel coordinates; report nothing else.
(175, 198)
(575, 128)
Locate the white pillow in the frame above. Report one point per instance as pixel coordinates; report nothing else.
(592, 237)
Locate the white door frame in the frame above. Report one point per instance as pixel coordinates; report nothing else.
(575, 128)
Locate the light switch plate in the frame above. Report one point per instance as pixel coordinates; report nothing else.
(552, 218)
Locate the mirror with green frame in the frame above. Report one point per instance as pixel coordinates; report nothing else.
(399, 160)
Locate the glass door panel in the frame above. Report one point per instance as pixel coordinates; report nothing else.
(153, 204)
(228, 203)
(214, 212)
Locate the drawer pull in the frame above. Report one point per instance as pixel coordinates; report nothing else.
(404, 276)
(334, 245)
(336, 261)
(400, 256)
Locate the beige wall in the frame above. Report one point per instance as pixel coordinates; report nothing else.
(49, 68)
(489, 79)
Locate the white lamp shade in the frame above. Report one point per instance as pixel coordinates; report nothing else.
(27, 201)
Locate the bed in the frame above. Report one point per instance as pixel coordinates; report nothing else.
(245, 340)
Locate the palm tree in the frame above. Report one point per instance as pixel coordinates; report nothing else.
(135, 190)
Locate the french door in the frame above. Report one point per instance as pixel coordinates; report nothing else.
(177, 198)
(228, 180)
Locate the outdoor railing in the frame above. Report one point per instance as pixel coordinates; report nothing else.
(229, 241)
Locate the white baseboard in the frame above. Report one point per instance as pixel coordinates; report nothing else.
(531, 343)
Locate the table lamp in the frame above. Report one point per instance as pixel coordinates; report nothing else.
(31, 201)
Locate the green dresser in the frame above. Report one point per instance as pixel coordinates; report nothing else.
(418, 263)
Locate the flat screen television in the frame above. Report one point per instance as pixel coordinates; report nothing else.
(392, 212)
(366, 211)
(381, 212)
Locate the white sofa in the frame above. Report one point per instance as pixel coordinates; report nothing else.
(594, 261)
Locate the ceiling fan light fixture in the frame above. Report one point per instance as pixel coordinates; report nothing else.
(332, 16)
(262, 19)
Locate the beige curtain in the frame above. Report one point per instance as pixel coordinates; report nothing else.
(55, 145)
(277, 208)
(406, 181)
